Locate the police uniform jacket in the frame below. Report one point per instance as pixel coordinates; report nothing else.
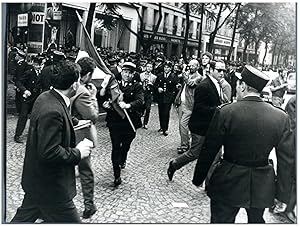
(132, 94)
(148, 88)
(249, 129)
(28, 80)
(206, 99)
(48, 174)
(169, 87)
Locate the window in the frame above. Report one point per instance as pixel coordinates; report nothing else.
(208, 24)
(175, 21)
(166, 22)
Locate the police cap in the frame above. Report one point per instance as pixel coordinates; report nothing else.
(21, 53)
(129, 65)
(253, 77)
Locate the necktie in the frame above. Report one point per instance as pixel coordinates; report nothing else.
(221, 92)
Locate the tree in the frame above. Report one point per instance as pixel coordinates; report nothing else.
(187, 28)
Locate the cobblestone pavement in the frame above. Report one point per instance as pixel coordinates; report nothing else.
(145, 195)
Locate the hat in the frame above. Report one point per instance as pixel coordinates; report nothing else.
(169, 63)
(129, 65)
(21, 53)
(253, 77)
(58, 55)
(113, 60)
(37, 59)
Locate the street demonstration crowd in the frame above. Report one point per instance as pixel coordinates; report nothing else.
(224, 124)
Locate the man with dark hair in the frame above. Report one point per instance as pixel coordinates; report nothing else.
(207, 97)
(248, 129)
(278, 88)
(84, 106)
(48, 177)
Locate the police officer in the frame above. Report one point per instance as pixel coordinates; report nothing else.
(248, 129)
(28, 89)
(121, 131)
(167, 85)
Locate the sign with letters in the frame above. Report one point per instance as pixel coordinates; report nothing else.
(23, 20)
(38, 18)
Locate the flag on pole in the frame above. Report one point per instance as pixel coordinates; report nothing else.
(112, 84)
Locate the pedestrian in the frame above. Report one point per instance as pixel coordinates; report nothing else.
(207, 97)
(84, 106)
(28, 89)
(120, 129)
(191, 78)
(248, 129)
(278, 88)
(206, 57)
(48, 177)
(148, 79)
(231, 78)
(167, 86)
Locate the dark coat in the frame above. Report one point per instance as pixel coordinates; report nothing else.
(28, 80)
(48, 174)
(132, 94)
(169, 87)
(249, 129)
(206, 99)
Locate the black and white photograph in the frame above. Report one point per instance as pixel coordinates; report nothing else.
(149, 112)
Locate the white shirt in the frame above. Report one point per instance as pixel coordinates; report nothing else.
(65, 98)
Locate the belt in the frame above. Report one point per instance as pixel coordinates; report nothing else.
(256, 163)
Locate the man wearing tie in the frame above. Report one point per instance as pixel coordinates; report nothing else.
(206, 99)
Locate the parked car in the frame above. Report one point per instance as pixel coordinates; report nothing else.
(291, 80)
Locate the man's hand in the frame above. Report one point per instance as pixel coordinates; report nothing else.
(92, 89)
(106, 104)
(84, 149)
(26, 94)
(160, 90)
(284, 85)
(124, 105)
(279, 206)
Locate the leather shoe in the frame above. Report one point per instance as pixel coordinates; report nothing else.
(165, 133)
(171, 171)
(18, 139)
(160, 130)
(87, 213)
(123, 165)
(117, 181)
(145, 127)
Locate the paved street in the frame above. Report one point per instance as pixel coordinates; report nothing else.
(145, 196)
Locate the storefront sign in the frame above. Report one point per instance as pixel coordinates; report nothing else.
(175, 40)
(38, 18)
(222, 42)
(57, 15)
(22, 20)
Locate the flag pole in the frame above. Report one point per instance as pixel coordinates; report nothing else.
(132, 126)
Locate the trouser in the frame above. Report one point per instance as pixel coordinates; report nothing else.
(121, 140)
(192, 154)
(18, 101)
(23, 117)
(147, 109)
(184, 117)
(30, 211)
(87, 181)
(164, 115)
(293, 195)
(223, 213)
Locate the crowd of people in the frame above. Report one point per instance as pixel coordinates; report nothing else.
(223, 124)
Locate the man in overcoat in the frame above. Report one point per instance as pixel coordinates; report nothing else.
(248, 129)
(48, 177)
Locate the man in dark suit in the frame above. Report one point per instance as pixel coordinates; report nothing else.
(28, 88)
(85, 107)
(248, 129)
(48, 177)
(206, 99)
(120, 129)
(167, 85)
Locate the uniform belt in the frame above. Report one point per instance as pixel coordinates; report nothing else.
(256, 163)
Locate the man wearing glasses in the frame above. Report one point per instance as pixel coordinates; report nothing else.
(206, 99)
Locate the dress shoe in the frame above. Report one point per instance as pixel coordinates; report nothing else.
(123, 165)
(165, 133)
(145, 127)
(117, 181)
(18, 139)
(160, 130)
(88, 212)
(171, 171)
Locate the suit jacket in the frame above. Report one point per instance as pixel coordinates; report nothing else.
(206, 99)
(169, 87)
(248, 129)
(83, 107)
(48, 173)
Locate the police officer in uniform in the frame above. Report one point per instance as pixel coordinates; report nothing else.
(167, 85)
(248, 129)
(28, 87)
(120, 129)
